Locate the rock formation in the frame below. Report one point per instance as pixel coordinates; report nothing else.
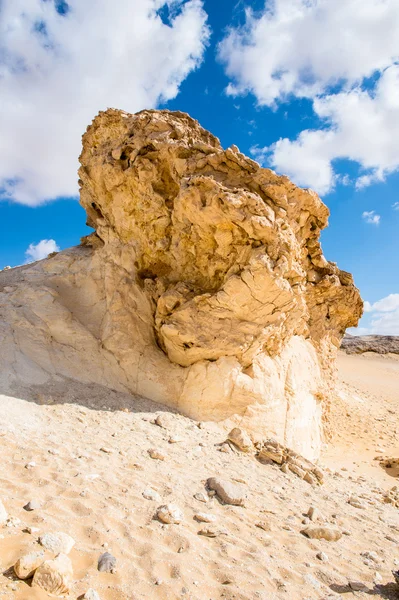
(381, 344)
(203, 287)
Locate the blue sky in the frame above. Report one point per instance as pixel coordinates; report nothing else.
(310, 89)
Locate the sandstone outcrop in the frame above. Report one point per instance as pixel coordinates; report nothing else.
(203, 287)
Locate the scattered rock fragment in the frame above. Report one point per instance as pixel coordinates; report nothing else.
(331, 534)
(156, 454)
(91, 595)
(201, 497)
(170, 514)
(58, 542)
(106, 563)
(3, 513)
(32, 505)
(322, 556)
(240, 439)
(211, 531)
(290, 461)
(358, 586)
(230, 493)
(54, 576)
(150, 494)
(204, 517)
(356, 502)
(106, 450)
(263, 525)
(25, 567)
(313, 513)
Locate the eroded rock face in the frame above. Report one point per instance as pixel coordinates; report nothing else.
(204, 286)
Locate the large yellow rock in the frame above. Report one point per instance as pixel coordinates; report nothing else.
(204, 286)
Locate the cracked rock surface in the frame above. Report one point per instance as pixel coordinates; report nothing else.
(203, 287)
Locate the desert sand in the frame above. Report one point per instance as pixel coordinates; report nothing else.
(81, 452)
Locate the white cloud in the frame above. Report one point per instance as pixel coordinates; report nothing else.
(302, 47)
(362, 126)
(324, 50)
(371, 217)
(58, 70)
(40, 250)
(395, 206)
(383, 317)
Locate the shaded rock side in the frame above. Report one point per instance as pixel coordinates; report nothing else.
(204, 286)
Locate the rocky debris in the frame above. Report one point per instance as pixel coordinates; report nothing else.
(290, 461)
(204, 517)
(25, 567)
(240, 438)
(54, 576)
(106, 450)
(381, 344)
(203, 287)
(156, 454)
(228, 492)
(91, 595)
(263, 525)
(106, 563)
(58, 542)
(3, 513)
(150, 494)
(331, 534)
(358, 586)
(32, 505)
(169, 514)
(391, 496)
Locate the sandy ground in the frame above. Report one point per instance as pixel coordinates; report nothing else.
(97, 497)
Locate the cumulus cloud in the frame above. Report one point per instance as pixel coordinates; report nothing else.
(384, 317)
(40, 250)
(62, 62)
(341, 55)
(362, 126)
(395, 206)
(371, 217)
(303, 47)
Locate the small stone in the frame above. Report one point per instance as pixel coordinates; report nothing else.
(225, 448)
(163, 420)
(169, 514)
(356, 502)
(204, 517)
(32, 530)
(240, 439)
(27, 564)
(58, 542)
(3, 513)
(358, 586)
(91, 595)
(156, 454)
(201, 497)
(106, 450)
(230, 493)
(32, 505)
(322, 556)
(174, 439)
(210, 531)
(371, 556)
(263, 525)
(54, 576)
(150, 494)
(313, 513)
(106, 563)
(30, 465)
(331, 534)
(377, 578)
